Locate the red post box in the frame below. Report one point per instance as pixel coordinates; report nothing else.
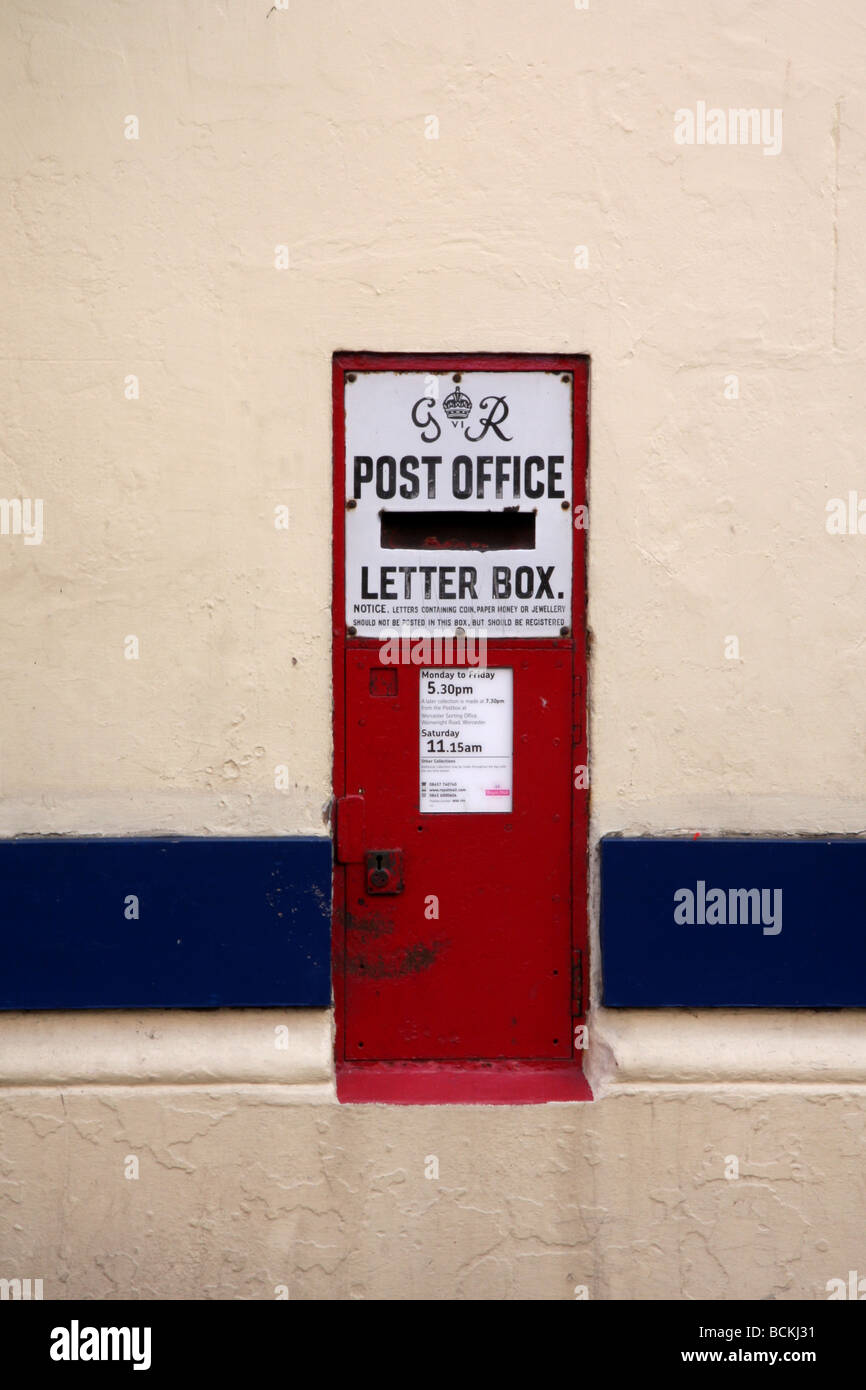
(461, 790)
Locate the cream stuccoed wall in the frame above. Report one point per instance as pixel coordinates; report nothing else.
(307, 127)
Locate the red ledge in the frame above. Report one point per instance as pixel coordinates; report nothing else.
(470, 1083)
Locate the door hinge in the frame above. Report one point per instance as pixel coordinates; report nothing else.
(577, 983)
(578, 709)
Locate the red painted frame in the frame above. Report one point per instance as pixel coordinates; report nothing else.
(489, 1083)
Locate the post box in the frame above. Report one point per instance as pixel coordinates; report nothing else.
(460, 760)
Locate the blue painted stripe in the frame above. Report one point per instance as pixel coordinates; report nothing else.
(221, 922)
(815, 959)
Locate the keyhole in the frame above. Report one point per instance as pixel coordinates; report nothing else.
(378, 861)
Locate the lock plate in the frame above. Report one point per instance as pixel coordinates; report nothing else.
(384, 870)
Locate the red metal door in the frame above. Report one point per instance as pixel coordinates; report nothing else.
(472, 959)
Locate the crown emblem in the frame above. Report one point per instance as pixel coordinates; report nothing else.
(457, 406)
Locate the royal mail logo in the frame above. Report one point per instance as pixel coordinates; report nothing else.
(457, 407)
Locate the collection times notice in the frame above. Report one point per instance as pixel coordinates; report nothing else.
(466, 740)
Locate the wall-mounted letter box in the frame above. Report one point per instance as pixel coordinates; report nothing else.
(459, 696)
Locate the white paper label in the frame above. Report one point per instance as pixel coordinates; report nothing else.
(466, 738)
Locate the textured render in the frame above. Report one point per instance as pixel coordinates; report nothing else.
(240, 1196)
(261, 127)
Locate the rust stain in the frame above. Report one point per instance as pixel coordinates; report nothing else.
(373, 924)
(408, 962)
